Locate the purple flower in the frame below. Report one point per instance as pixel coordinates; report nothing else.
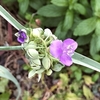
(63, 50)
(21, 36)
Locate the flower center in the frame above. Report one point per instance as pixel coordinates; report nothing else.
(69, 50)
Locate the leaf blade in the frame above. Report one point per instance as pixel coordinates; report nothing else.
(85, 61)
(51, 11)
(85, 27)
(6, 74)
(10, 19)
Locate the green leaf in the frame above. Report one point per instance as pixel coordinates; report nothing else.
(51, 11)
(8, 2)
(73, 68)
(85, 61)
(59, 33)
(65, 79)
(87, 70)
(23, 6)
(97, 30)
(57, 67)
(80, 8)
(72, 96)
(68, 21)
(93, 5)
(60, 2)
(85, 27)
(97, 8)
(52, 21)
(10, 19)
(88, 80)
(36, 4)
(78, 74)
(46, 62)
(80, 40)
(5, 96)
(95, 44)
(87, 93)
(95, 41)
(84, 2)
(3, 84)
(95, 77)
(6, 74)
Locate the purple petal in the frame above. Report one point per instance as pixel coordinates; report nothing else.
(21, 40)
(70, 42)
(22, 36)
(56, 48)
(66, 60)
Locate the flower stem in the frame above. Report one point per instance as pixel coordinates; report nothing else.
(6, 48)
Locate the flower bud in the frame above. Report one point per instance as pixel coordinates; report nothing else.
(37, 32)
(33, 53)
(47, 32)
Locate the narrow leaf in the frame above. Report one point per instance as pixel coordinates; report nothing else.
(59, 33)
(85, 61)
(10, 19)
(68, 21)
(6, 74)
(85, 27)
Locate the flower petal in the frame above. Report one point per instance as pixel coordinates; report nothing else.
(22, 36)
(70, 42)
(56, 48)
(21, 40)
(66, 60)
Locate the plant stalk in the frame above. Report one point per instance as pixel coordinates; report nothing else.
(6, 48)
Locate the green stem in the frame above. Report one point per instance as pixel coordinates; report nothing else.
(6, 48)
(44, 45)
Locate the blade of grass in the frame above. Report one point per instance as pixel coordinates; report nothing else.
(85, 61)
(10, 19)
(6, 74)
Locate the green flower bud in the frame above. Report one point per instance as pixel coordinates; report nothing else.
(33, 53)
